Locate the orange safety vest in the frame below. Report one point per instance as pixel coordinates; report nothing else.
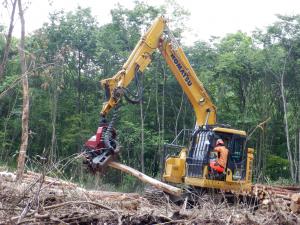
(223, 154)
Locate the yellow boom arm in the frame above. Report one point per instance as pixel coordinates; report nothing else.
(178, 63)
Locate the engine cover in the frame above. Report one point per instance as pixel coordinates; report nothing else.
(96, 142)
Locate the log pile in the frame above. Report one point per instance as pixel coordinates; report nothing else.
(284, 192)
(278, 197)
(268, 191)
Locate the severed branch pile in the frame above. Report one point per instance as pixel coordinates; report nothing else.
(40, 199)
(43, 199)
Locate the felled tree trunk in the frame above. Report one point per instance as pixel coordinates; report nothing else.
(143, 177)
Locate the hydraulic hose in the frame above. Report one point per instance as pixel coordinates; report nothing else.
(107, 136)
(135, 98)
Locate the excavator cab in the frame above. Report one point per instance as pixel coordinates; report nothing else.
(191, 166)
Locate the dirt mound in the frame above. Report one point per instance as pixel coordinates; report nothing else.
(45, 200)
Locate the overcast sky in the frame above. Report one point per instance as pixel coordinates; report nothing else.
(208, 17)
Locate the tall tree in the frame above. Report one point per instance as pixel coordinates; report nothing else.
(25, 112)
(8, 40)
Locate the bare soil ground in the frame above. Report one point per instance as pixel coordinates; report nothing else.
(45, 200)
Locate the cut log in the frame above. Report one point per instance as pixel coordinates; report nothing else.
(143, 177)
(295, 207)
(292, 188)
(296, 198)
(285, 197)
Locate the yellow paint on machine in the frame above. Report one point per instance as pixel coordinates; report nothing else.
(223, 185)
(230, 131)
(175, 173)
(175, 168)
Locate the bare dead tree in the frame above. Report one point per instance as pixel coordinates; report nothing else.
(25, 112)
(163, 119)
(8, 40)
(142, 137)
(54, 100)
(285, 110)
(178, 114)
(280, 75)
(158, 119)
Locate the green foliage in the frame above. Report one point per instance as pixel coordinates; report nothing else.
(277, 168)
(129, 184)
(73, 52)
(282, 181)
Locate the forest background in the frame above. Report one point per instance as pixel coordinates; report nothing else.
(251, 79)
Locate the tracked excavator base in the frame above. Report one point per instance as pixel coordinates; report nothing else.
(197, 196)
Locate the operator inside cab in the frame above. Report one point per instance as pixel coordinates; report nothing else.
(221, 154)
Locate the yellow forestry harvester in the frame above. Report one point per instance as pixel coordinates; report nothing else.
(193, 165)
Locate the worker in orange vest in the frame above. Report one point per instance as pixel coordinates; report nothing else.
(220, 164)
